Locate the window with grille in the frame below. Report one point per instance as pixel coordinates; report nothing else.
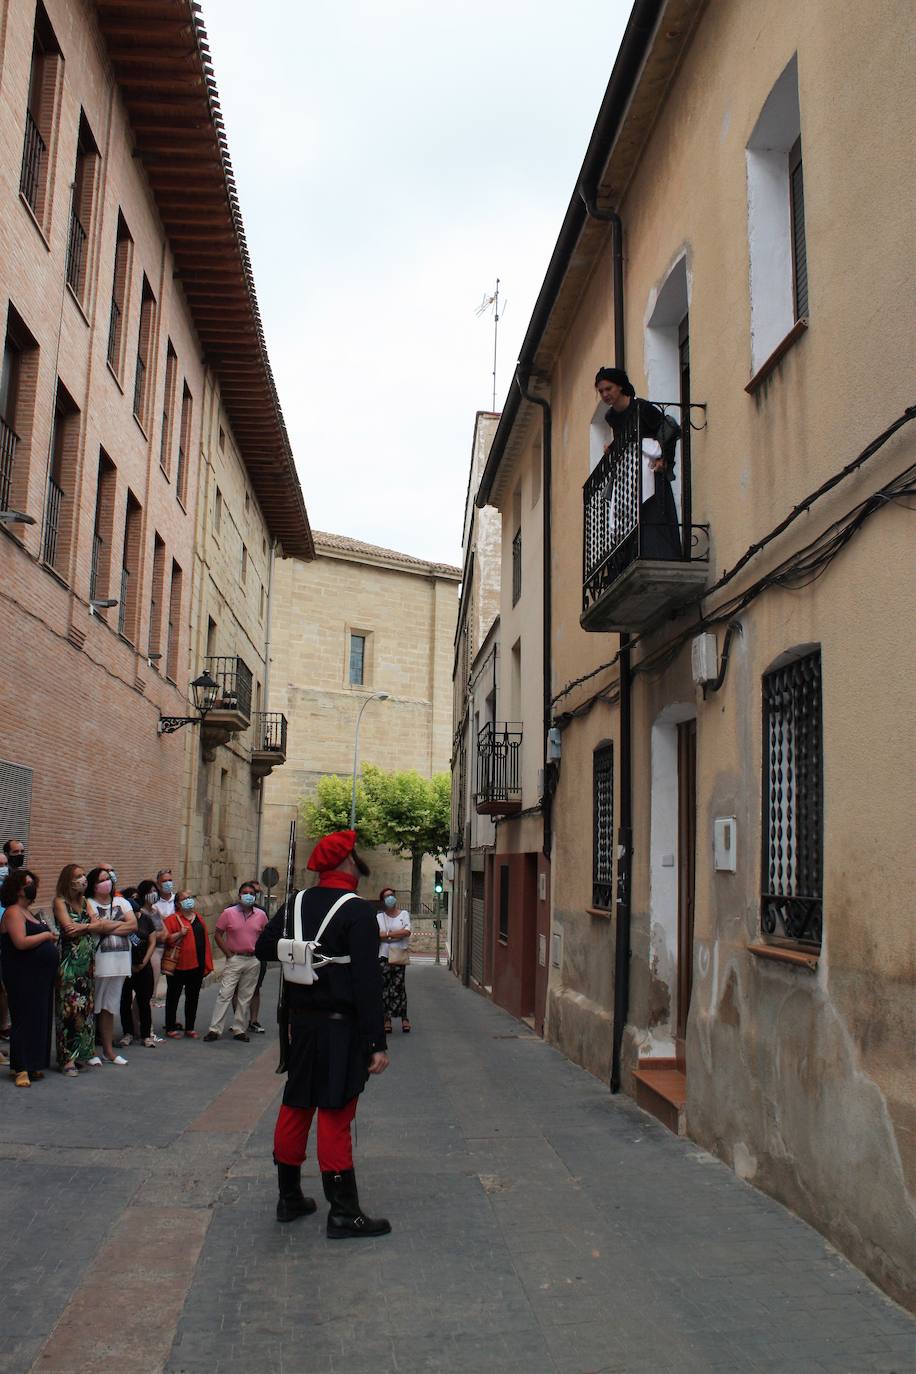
(793, 804)
(603, 827)
(119, 284)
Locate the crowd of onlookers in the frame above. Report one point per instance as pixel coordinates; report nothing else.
(101, 956)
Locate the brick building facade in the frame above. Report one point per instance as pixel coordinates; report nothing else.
(122, 264)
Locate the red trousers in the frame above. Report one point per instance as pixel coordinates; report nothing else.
(335, 1148)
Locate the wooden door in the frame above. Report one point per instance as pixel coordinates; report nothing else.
(687, 851)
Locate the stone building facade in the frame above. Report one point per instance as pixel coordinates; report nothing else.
(730, 928)
(122, 258)
(358, 620)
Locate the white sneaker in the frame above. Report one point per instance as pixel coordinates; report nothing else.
(95, 1061)
(125, 1041)
(118, 1059)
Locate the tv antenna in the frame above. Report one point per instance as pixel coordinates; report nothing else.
(492, 303)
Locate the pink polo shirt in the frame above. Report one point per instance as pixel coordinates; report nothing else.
(240, 927)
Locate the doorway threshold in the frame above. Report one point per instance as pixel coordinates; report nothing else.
(661, 1090)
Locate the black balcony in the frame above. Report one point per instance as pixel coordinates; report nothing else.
(231, 712)
(33, 156)
(499, 784)
(8, 441)
(269, 747)
(642, 556)
(76, 248)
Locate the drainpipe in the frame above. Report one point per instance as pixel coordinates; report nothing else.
(265, 702)
(625, 761)
(547, 800)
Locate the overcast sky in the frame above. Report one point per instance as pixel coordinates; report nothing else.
(393, 157)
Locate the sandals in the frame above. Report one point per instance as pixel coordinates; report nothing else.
(23, 1080)
(405, 1026)
(387, 1025)
(70, 1071)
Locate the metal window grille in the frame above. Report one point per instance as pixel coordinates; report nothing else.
(516, 566)
(33, 154)
(76, 247)
(15, 801)
(793, 804)
(51, 530)
(8, 441)
(122, 604)
(357, 659)
(114, 334)
(271, 732)
(603, 826)
(498, 764)
(799, 247)
(179, 472)
(94, 568)
(139, 386)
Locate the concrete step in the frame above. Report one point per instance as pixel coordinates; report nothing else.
(661, 1090)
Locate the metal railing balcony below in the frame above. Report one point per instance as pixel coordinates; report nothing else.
(76, 247)
(33, 154)
(499, 784)
(53, 503)
(635, 515)
(271, 732)
(516, 566)
(8, 441)
(234, 678)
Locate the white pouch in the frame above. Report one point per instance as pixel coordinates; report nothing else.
(300, 959)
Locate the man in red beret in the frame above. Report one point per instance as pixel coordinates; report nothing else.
(334, 1028)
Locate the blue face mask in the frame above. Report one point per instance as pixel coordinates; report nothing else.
(247, 899)
(188, 904)
(4, 871)
(391, 901)
(152, 898)
(168, 888)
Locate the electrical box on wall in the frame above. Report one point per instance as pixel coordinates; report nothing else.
(725, 844)
(704, 659)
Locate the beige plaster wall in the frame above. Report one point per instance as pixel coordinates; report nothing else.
(409, 617)
(803, 1082)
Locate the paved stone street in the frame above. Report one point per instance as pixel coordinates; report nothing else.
(540, 1226)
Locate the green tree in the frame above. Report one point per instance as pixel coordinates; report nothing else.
(413, 815)
(406, 812)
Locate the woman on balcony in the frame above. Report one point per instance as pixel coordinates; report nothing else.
(394, 956)
(659, 528)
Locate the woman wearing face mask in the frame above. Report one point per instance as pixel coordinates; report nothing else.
(394, 956)
(29, 951)
(185, 933)
(112, 958)
(140, 982)
(78, 923)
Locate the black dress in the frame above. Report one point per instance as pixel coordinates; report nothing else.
(660, 534)
(29, 976)
(336, 1023)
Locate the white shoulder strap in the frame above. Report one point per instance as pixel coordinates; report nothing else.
(297, 915)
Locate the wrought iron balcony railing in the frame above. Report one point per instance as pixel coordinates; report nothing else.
(94, 566)
(234, 678)
(271, 733)
(516, 566)
(8, 441)
(76, 247)
(33, 155)
(499, 783)
(53, 502)
(642, 554)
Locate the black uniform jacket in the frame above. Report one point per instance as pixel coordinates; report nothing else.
(337, 1022)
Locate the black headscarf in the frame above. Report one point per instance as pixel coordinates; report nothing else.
(618, 377)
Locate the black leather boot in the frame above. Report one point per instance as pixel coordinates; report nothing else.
(291, 1203)
(346, 1219)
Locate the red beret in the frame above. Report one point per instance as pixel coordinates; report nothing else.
(330, 852)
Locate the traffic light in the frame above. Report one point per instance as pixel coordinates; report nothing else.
(438, 884)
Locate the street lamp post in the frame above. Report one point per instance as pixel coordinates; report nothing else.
(376, 696)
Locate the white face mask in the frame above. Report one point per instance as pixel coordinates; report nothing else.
(80, 885)
(151, 899)
(4, 871)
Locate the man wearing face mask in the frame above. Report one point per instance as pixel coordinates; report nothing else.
(166, 885)
(236, 933)
(331, 1032)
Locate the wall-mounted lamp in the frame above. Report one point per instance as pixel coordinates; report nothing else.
(204, 690)
(101, 603)
(16, 517)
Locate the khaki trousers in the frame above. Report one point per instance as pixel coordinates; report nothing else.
(239, 980)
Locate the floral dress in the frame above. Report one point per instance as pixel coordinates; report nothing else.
(75, 989)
